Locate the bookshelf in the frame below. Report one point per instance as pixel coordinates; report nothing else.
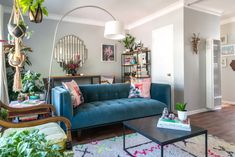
(136, 64)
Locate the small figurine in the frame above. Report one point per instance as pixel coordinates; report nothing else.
(165, 113)
(171, 116)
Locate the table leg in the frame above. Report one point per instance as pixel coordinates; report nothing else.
(124, 137)
(162, 150)
(206, 144)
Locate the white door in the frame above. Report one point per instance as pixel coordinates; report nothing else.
(162, 55)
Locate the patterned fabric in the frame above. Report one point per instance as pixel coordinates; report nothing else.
(135, 90)
(74, 90)
(142, 88)
(193, 147)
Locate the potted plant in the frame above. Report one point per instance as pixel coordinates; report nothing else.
(182, 112)
(34, 8)
(129, 42)
(28, 143)
(32, 85)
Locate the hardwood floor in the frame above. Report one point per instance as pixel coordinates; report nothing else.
(220, 123)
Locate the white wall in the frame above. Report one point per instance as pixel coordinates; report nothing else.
(144, 33)
(41, 43)
(195, 64)
(189, 69)
(228, 75)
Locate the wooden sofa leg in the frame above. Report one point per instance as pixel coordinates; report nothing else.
(69, 145)
(79, 133)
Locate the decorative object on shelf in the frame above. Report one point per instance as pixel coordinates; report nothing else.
(136, 64)
(108, 53)
(228, 50)
(113, 30)
(224, 39)
(195, 42)
(224, 62)
(232, 64)
(181, 109)
(71, 53)
(129, 43)
(34, 8)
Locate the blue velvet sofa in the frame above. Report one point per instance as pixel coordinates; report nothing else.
(105, 104)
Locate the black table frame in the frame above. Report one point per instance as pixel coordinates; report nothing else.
(162, 144)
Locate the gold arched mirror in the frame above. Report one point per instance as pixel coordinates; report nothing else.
(70, 50)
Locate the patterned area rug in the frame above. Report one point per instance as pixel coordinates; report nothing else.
(193, 147)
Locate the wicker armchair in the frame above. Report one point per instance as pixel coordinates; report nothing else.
(6, 125)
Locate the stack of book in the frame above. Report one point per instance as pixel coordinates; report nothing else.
(175, 124)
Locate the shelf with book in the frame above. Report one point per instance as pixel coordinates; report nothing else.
(136, 64)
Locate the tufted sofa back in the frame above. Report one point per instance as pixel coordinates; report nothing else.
(97, 92)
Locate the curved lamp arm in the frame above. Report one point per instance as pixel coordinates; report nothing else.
(55, 33)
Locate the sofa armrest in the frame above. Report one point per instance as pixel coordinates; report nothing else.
(61, 99)
(161, 92)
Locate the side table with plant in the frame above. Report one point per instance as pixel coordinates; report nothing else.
(32, 85)
(182, 112)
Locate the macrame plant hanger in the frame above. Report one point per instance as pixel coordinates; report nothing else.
(16, 59)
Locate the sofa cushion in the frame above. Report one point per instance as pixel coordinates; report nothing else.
(101, 112)
(54, 134)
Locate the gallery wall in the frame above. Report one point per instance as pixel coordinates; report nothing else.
(228, 75)
(41, 43)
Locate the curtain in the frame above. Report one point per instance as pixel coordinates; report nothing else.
(3, 79)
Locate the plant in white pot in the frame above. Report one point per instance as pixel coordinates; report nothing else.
(182, 112)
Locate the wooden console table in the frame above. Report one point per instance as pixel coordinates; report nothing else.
(67, 78)
(55, 79)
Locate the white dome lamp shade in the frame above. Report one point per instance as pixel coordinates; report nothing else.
(114, 30)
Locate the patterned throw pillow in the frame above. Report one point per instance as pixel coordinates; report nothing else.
(74, 90)
(140, 88)
(135, 91)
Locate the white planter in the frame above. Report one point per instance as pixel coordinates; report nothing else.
(182, 115)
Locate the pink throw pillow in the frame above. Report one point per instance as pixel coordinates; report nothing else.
(145, 89)
(74, 90)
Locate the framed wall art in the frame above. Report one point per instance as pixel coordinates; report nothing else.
(228, 50)
(108, 53)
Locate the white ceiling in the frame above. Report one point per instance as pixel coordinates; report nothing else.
(130, 11)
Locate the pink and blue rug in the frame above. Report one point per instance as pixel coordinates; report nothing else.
(193, 147)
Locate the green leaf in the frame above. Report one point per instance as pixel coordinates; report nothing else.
(44, 10)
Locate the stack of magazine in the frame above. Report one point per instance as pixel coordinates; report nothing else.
(174, 124)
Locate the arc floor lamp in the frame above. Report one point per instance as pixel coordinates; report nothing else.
(114, 30)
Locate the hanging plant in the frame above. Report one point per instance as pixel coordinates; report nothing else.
(16, 26)
(34, 8)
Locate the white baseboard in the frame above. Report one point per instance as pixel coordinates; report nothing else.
(198, 111)
(203, 110)
(228, 102)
